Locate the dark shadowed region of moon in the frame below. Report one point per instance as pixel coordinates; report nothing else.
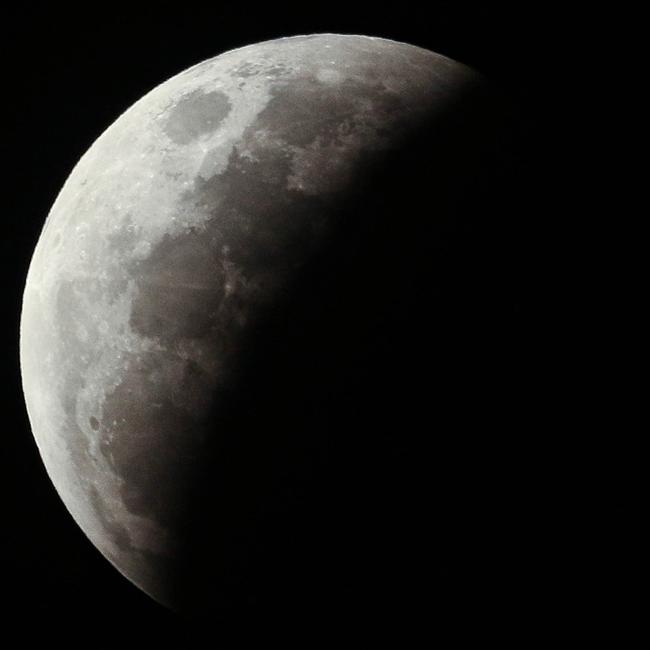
(219, 308)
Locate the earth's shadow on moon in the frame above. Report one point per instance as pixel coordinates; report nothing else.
(352, 462)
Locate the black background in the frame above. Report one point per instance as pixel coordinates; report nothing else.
(513, 517)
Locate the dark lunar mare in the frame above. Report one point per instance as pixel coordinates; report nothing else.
(353, 451)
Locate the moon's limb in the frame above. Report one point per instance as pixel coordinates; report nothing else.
(181, 222)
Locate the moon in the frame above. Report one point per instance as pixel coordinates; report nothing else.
(178, 232)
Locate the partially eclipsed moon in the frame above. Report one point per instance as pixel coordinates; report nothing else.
(182, 223)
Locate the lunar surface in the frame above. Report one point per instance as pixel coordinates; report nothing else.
(187, 220)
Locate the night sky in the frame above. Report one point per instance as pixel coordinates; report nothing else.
(477, 524)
